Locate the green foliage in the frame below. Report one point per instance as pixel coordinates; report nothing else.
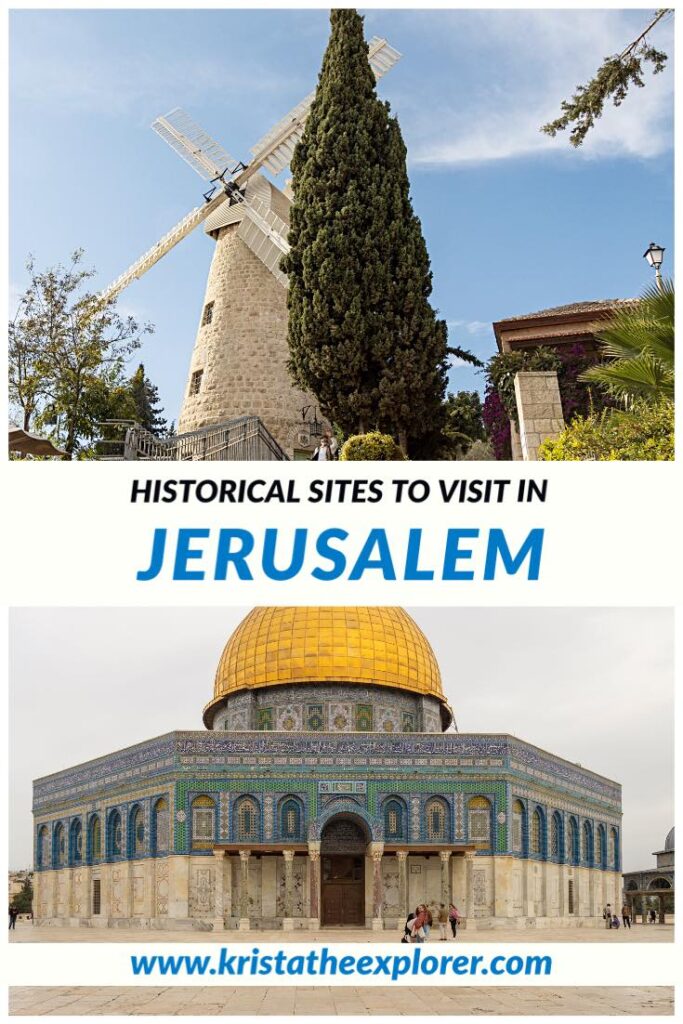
(502, 369)
(363, 336)
(644, 434)
(67, 353)
(638, 344)
(613, 79)
(23, 900)
(145, 395)
(464, 423)
(372, 447)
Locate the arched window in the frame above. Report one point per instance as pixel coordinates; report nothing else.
(613, 852)
(161, 831)
(556, 837)
(136, 832)
(94, 838)
(573, 849)
(59, 846)
(43, 847)
(518, 823)
(437, 823)
(76, 842)
(394, 820)
(247, 820)
(114, 835)
(203, 822)
(587, 851)
(479, 819)
(602, 847)
(290, 818)
(537, 836)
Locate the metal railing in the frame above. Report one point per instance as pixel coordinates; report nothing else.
(241, 440)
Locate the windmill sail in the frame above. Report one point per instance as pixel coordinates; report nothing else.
(266, 235)
(276, 148)
(164, 245)
(189, 140)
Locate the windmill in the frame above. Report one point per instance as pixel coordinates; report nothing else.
(239, 362)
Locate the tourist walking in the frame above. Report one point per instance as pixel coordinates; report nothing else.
(407, 927)
(607, 916)
(429, 920)
(443, 922)
(626, 915)
(13, 915)
(418, 931)
(454, 918)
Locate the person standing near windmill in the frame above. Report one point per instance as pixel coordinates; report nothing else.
(327, 450)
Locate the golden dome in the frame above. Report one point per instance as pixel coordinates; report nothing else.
(285, 645)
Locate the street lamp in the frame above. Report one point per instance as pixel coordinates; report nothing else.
(654, 254)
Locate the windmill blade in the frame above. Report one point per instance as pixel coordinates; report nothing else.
(266, 235)
(204, 155)
(164, 245)
(275, 149)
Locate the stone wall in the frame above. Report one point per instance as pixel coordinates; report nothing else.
(242, 352)
(539, 407)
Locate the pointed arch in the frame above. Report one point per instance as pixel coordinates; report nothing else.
(291, 817)
(161, 826)
(43, 847)
(537, 833)
(203, 822)
(587, 847)
(395, 815)
(94, 842)
(114, 834)
(573, 851)
(613, 852)
(479, 813)
(136, 831)
(520, 839)
(557, 837)
(247, 820)
(437, 820)
(76, 842)
(59, 846)
(602, 847)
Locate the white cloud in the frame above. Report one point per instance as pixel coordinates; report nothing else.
(529, 61)
(470, 326)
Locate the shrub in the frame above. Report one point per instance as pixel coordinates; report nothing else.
(372, 447)
(645, 434)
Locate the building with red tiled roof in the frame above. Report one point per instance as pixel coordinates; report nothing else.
(557, 327)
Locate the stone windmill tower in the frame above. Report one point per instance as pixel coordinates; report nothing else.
(239, 362)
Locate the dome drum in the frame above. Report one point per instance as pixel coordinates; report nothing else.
(346, 647)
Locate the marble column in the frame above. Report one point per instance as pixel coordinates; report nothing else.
(376, 853)
(445, 858)
(469, 888)
(288, 919)
(402, 857)
(218, 890)
(244, 890)
(314, 885)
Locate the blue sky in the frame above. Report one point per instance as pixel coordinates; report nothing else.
(514, 221)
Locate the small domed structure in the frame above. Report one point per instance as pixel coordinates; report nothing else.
(669, 841)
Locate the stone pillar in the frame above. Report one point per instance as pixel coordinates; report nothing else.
(563, 879)
(314, 885)
(469, 888)
(445, 858)
(402, 857)
(244, 890)
(288, 919)
(68, 892)
(86, 909)
(219, 888)
(539, 407)
(377, 852)
(127, 883)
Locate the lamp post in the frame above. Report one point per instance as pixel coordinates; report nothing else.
(654, 254)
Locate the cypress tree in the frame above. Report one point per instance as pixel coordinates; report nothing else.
(145, 395)
(362, 334)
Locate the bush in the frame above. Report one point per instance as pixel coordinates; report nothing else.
(645, 434)
(372, 447)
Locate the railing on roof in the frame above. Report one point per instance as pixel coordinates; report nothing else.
(241, 440)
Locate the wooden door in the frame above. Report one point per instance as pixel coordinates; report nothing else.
(343, 890)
